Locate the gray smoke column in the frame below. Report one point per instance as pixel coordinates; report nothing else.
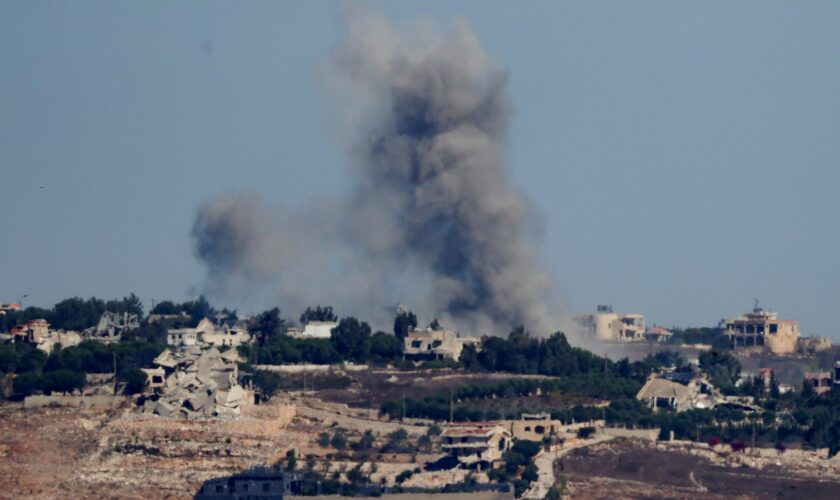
(423, 116)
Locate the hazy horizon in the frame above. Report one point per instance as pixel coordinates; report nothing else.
(680, 158)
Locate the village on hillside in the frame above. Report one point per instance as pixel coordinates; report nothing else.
(323, 405)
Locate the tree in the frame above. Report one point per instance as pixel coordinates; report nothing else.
(61, 381)
(165, 307)
(268, 324)
(267, 382)
(130, 305)
(385, 347)
(351, 339)
(722, 367)
(199, 309)
(324, 439)
(435, 325)
(339, 440)
(318, 314)
(404, 323)
(135, 381)
(25, 384)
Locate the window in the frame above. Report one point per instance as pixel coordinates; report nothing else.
(527, 428)
(539, 429)
(416, 344)
(464, 439)
(266, 486)
(220, 488)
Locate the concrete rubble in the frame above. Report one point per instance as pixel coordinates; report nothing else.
(196, 384)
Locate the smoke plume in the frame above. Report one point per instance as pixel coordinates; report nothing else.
(432, 217)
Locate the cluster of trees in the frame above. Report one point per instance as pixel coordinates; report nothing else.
(437, 407)
(193, 311)
(519, 466)
(351, 340)
(64, 370)
(521, 353)
(319, 313)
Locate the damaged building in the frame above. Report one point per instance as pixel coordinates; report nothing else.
(677, 391)
(431, 344)
(609, 326)
(208, 333)
(476, 444)
(112, 326)
(195, 383)
(762, 329)
(688, 390)
(38, 333)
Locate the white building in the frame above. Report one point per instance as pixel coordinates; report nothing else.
(208, 334)
(609, 326)
(314, 330)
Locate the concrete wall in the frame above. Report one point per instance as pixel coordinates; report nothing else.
(648, 434)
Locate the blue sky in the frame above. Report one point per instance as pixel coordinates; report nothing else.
(683, 156)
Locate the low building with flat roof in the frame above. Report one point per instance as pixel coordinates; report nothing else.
(431, 344)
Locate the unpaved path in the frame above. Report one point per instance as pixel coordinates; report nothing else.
(545, 465)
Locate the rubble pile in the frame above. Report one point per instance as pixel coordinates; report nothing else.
(195, 383)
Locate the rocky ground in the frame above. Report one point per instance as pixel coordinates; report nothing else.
(118, 453)
(623, 468)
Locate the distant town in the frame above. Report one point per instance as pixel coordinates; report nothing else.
(346, 410)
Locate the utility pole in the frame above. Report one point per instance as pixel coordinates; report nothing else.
(451, 408)
(114, 354)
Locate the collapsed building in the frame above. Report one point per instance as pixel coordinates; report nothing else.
(681, 391)
(38, 333)
(431, 344)
(814, 345)
(476, 444)
(609, 326)
(762, 329)
(195, 383)
(207, 333)
(112, 326)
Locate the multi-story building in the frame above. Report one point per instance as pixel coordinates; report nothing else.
(762, 329)
(208, 333)
(476, 443)
(609, 326)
